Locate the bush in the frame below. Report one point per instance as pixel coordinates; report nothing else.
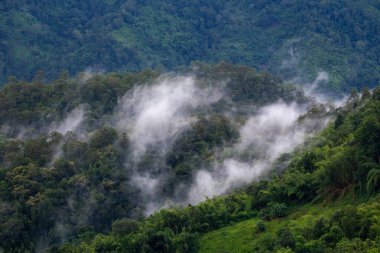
(260, 225)
(273, 210)
(124, 226)
(286, 237)
(103, 137)
(268, 242)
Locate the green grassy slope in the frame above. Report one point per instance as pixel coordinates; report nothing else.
(242, 237)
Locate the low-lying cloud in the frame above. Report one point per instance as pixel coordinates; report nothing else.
(272, 132)
(154, 115)
(71, 123)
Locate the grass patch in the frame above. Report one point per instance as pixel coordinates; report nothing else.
(241, 237)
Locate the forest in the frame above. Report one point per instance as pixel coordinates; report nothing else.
(294, 38)
(221, 126)
(341, 165)
(85, 169)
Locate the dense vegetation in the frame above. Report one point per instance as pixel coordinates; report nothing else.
(64, 187)
(93, 162)
(295, 38)
(309, 228)
(342, 161)
(57, 185)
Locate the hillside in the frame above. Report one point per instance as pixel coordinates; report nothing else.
(296, 39)
(162, 126)
(325, 201)
(102, 154)
(308, 228)
(134, 143)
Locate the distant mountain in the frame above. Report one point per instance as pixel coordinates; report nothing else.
(294, 38)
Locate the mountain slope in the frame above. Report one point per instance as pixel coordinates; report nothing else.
(340, 168)
(133, 143)
(295, 38)
(298, 232)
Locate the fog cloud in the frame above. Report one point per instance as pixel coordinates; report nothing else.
(311, 89)
(273, 131)
(89, 73)
(155, 115)
(71, 123)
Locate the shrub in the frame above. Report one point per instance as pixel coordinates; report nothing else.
(124, 226)
(286, 237)
(273, 210)
(260, 226)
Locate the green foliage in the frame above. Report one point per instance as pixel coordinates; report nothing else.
(310, 228)
(260, 226)
(294, 38)
(286, 237)
(103, 137)
(336, 164)
(193, 149)
(274, 210)
(38, 104)
(84, 196)
(57, 188)
(124, 227)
